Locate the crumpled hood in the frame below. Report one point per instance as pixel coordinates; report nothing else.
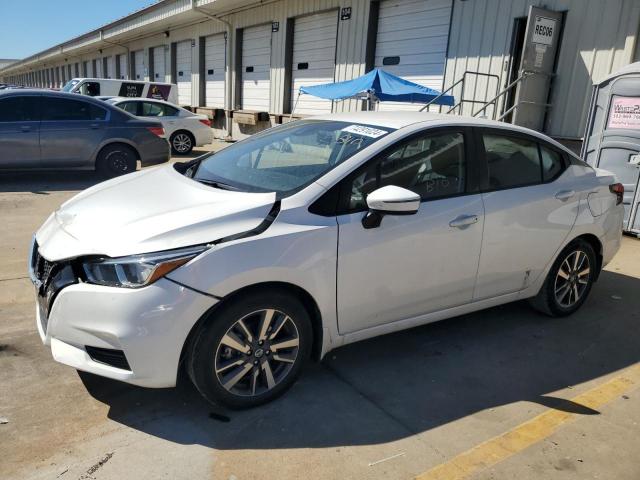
(148, 211)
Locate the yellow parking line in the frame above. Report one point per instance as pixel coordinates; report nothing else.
(532, 431)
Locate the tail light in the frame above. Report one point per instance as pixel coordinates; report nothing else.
(206, 121)
(618, 190)
(158, 131)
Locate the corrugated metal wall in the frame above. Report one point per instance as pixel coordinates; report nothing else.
(350, 50)
(599, 37)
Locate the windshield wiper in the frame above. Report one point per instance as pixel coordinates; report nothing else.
(193, 167)
(217, 184)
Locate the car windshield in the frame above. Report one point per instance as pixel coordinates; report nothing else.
(287, 158)
(70, 84)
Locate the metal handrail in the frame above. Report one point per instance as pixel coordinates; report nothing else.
(455, 84)
(444, 92)
(521, 77)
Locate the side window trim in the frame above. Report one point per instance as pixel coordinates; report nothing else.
(107, 113)
(169, 111)
(471, 185)
(563, 156)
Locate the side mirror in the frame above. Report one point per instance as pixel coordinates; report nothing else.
(389, 200)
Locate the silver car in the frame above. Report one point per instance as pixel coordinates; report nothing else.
(50, 130)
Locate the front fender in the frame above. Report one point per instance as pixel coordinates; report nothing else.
(304, 255)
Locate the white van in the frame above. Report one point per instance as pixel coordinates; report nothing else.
(106, 87)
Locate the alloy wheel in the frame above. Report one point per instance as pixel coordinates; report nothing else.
(257, 352)
(572, 278)
(182, 143)
(118, 163)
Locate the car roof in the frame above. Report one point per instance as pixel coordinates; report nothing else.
(55, 93)
(141, 99)
(22, 91)
(403, 119)
(121, 80)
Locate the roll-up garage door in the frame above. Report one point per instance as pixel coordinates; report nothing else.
(314, 55)
(183, 72)
(214, 64)
(256, 68)
(139, 65)
(412, 42)
(123, 66)
(159, 64)
(107, 67)
(98, 66)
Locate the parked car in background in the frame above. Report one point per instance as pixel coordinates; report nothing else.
(100, 87)
(243, 264)
(184, 129)
(42, 129)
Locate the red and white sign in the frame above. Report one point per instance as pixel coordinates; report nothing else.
(624, 113)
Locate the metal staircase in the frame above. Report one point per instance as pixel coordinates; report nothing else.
(485, 103)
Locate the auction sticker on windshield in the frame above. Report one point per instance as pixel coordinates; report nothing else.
(366, 131)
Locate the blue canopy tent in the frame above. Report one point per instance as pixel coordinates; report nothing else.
(378, 85)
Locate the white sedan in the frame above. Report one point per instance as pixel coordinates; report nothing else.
(244, 264)
(183, 128)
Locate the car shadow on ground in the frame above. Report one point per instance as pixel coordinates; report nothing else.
(43, 183)
(399, 385)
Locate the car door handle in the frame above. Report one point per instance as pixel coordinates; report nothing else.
(463, 221)
(95, 126)
(565, 194)
(25, 128)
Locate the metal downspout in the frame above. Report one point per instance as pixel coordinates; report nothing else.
(227, 74)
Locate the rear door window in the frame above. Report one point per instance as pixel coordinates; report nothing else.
(18, 109)
(511, 161)
(150, 109)
(65, 109)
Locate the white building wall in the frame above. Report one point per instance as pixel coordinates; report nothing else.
(599, 38)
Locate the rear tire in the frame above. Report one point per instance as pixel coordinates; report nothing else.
(251, 350)
(568, 282)
(182, 142)
(115, 160)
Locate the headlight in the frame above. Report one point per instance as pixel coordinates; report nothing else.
(137, 270)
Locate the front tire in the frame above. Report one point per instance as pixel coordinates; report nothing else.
(182, 142)
(569, 281)
(251, 350)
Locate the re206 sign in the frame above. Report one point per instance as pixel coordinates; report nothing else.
(543, 30)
